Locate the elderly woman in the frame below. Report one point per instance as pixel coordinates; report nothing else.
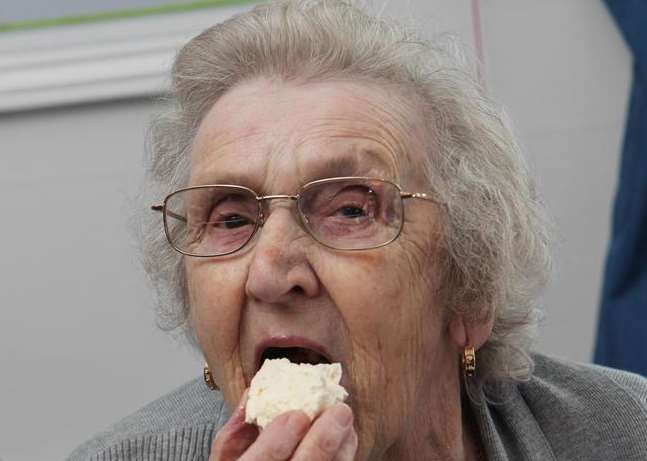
(339, 190)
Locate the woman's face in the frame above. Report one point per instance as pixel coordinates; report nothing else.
(373, 311)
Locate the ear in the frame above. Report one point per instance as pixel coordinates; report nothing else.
(468, 332)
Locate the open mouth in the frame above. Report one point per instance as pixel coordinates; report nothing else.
(297, 349)
(294, 355)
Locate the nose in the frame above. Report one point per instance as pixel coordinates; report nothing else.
(280, 269)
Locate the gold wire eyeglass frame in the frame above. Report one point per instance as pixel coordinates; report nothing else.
(261, 216)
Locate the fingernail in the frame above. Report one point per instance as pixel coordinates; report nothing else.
(238, 414)
(342, 415)
(243, 399)
(236, 420)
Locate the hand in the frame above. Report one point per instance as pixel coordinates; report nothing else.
(289, 436)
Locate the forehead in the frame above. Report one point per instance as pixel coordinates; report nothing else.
(269, 131)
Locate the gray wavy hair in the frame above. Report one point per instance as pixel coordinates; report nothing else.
(494, 234)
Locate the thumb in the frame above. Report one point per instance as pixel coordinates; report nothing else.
(233, 439)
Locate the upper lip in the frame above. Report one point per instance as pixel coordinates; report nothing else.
(290, 341)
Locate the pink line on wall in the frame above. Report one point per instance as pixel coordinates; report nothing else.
(478, 41)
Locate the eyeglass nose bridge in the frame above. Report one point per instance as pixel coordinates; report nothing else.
(265, 198)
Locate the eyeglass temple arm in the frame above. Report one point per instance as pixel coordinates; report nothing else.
(420, 195)
(169, 213)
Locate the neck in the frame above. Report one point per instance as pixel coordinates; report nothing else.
(450, 437)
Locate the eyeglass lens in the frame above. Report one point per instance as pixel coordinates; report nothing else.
(343, 214)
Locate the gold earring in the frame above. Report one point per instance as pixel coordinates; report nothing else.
(208, 378)
(469, 361)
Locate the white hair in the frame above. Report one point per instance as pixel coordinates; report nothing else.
(494, 233)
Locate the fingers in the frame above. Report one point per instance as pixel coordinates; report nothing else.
(330, 437)
(234, 437)
(278, 440)
(348, 448)
(290, 436)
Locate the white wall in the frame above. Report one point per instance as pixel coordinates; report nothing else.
(563, 71)
(78, 346)
(30, 10)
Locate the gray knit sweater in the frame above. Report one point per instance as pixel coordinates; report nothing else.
(567, 411)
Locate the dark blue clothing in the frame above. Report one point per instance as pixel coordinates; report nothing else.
(622, 325)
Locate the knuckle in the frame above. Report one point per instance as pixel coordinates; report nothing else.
(328, 443)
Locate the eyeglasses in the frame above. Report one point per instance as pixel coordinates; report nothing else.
(346, 213)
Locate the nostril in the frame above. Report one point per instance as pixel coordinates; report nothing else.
(297, 290)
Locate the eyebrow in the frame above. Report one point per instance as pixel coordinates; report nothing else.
(349, 166)
(228, 178)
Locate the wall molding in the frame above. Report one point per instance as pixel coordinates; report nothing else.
(97, 61)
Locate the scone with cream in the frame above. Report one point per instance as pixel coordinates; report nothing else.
(281, 386)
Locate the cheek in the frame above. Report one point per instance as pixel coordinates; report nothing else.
(385, 299)
(215, 297)
(388, 314)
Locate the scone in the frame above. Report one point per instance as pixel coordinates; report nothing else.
(281, 386)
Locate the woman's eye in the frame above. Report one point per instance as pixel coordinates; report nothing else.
(351, 211)
(231, 222)
(357, 203)
(231, 212)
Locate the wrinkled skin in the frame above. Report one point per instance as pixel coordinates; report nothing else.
(376, 311)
